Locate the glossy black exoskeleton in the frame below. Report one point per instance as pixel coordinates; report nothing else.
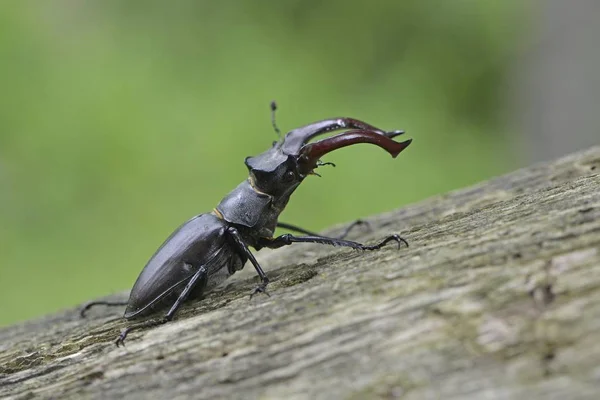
(205, 250)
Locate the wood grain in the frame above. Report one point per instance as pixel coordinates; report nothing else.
(498, 296)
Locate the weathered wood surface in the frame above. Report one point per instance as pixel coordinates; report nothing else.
(497, 297)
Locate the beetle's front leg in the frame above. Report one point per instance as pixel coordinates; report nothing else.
(287, 239)
(244, 251)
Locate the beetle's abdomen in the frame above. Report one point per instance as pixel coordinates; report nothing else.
(199, 242)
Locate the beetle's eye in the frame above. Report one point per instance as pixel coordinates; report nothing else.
(289, 176)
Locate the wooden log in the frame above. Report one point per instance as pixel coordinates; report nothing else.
(498, 296)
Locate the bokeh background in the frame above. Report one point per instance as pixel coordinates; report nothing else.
(119, 120)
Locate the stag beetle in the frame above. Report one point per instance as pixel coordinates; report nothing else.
(208, 248)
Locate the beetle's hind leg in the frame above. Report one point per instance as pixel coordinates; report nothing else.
(92, 304)
(199, 278)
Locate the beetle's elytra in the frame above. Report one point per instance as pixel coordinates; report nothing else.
(208, 248)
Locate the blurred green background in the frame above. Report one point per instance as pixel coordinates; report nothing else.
(120, 120)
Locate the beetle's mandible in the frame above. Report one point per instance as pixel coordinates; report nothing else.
(207, 249)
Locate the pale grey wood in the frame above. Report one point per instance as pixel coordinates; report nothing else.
(497, 297)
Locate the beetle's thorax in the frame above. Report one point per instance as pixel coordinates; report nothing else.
(278, 202)
(252, 208)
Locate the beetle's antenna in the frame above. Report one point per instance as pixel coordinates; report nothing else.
(273, 109)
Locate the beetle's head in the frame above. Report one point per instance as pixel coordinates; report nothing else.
(274, 172)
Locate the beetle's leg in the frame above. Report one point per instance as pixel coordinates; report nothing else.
(288, 239)
(352, 226)
(147, 324)
(295, 228)
(91, 304)
(345, 233)
(245, 252)
(201, 274)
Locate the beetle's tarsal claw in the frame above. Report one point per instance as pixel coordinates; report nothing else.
(121, 339)
(262, 288)
(399, 240)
